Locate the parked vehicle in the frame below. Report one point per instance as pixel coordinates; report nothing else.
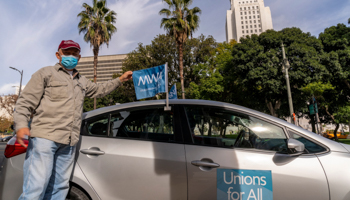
(6, 139)
(198, 150)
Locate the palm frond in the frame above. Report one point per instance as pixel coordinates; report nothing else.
(165, 11)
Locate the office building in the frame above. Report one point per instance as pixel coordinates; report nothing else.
(106, 66)
(247, 17)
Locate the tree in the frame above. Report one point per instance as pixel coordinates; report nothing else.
(8, 103)
(96, 23)
(336, 42)
(5, 124)
(209, 74)
(256, 70)
(316, 90)
(181, 24)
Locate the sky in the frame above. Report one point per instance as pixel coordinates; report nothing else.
(31, 30)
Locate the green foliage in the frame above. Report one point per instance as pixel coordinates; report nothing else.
(257, 68)
(96, 23)
(180, 21)
(343, 115)
(317, 88)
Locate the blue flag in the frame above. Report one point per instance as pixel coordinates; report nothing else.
(149, 82)
(173, 92)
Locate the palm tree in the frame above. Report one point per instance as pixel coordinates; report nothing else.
(96, 23)
(180, 22)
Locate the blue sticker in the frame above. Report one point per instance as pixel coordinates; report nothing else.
(238, 184)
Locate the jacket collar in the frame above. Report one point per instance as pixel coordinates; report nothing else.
(75, 71)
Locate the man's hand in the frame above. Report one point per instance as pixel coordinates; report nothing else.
(20, 135)
(126, 76)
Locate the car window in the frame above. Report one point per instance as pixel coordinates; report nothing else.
(221, 128)
(310, 146)
(97, 126)
(151, 124)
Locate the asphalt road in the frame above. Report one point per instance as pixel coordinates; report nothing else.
(2, 148)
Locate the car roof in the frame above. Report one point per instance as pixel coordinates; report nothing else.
(334, 146)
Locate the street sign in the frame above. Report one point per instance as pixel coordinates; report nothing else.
(312, 108)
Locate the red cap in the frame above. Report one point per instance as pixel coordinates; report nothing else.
(65, 44)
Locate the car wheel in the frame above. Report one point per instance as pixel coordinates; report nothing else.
(77, 194)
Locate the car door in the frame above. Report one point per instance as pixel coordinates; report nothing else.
(232, 155)
(134, 154)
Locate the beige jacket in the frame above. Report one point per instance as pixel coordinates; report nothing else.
(56, 99)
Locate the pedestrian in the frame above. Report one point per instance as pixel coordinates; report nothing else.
(55, 96)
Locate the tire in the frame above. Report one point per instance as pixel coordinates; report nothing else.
(76, 194)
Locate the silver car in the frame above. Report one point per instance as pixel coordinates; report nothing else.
(198, 150)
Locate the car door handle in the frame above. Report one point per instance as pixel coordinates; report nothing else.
(199, 163)
(92, 152)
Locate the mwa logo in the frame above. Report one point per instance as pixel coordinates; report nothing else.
(149, 80)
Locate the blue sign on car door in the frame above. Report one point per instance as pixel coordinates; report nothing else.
(238, 184)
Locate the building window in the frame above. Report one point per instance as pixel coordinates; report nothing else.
(251, 31)
(250, 17)
(257, 7)
(241, 8)
(241, 13)
(253, 12)
(251, 26)
(246, 26)
(250, 12)
(241, 17)
(242, 27)
(256, 31)
(242, 22)
(259, 21)
(257, 12)
(247, 31)
(246, 22)
(245, 8)
(246, 17)
(245, 13)
(260, 30)
(254, 16)
(250, 21)
(243, 32)
(259, 25)
(254, 21)
(254, 26)
(258, 16)
(248, 8)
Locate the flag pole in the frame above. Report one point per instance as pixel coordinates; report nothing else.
(167, 107)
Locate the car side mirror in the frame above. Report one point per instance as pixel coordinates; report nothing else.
(295, 147)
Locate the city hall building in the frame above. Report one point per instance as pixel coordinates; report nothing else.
(106, 66)
(247, 18)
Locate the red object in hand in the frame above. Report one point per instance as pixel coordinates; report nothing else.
(13, 148)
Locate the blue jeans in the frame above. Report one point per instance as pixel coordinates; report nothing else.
(47, 169)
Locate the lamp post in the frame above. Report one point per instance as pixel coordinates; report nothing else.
(20, 84)
(285, 68)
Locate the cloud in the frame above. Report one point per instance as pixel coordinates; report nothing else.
(137, 21)
(8, 88)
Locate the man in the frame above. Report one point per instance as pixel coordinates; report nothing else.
(55, 96)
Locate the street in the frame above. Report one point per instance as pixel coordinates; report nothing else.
(2, 149)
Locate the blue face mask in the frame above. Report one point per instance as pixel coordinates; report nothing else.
(69, 62)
